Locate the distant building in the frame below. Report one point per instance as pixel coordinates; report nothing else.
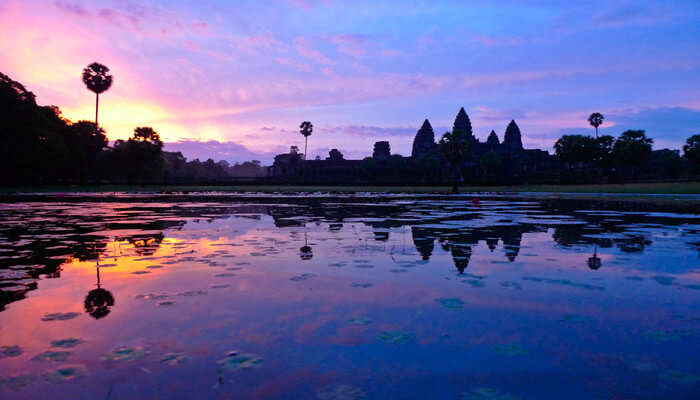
(513, 161)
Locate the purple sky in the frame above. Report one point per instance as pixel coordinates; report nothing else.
(233, 80)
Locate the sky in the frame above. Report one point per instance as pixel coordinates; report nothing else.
(234, 79)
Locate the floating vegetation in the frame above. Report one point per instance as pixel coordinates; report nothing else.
(221, 286)
(476, 283)
(191, 293)
(360, 321)
(66, 373)
(486, 393)
(16, 382)
(154, 266)
(338, 264)
(124, 353)
(396, 337)
(509, 349)
(563, 282)
(398, 270)
(511, 285)
(634, 278)
(575, 318)
(362, 285)
(225, 275)
(153, 296)
(10, 351)
(59, 356)
(671, 335)
(365, 266)
(664, 280)
(141, 272)
(340, 392)
(235, 360)
(676, 377)
(67, 343)
(302, 277)
(451, 302)
(60, 316)
(694, 287)
(166, 303)
(174, 358)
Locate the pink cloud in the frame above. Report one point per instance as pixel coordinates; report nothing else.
(306, 48)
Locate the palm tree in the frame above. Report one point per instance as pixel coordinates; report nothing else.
(596, 120)
(455, 148)
(96, 79)
(305, 129)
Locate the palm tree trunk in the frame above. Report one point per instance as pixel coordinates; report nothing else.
(97, 106)
(306, 142)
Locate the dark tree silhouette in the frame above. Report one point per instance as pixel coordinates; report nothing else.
(455, 147)
(596, 120)
(147, 134)
(305, 129)
(691, 151)
(96, 79)
(632, 149)
(98, 302)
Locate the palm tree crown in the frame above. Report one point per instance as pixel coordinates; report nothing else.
(96, 79)
(305, 129)
(596, 120)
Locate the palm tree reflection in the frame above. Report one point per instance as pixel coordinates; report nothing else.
(305, 252)
(98, 302)
(594, 262)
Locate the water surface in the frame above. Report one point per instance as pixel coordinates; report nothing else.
(347, 297)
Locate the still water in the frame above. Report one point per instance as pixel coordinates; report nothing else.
(347, 297)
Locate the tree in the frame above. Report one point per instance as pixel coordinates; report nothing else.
(691, 151)
(455, 147)
(596, 120)
(305, 129)
(632, 149)
(490, 163)
(147, 134)
(96, 79)
(574, 149)
(140, 159)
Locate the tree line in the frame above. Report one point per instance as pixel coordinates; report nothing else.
(40, 146)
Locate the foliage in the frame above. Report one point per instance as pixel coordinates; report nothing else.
(455, 147)
(96, 79)
(632, 148)
(596, 120)
(691, 151)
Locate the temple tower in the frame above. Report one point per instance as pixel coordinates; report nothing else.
(424, 142)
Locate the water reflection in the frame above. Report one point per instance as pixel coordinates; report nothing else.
(395, 288)
(99, 302)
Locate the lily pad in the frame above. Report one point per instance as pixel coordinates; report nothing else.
(396, 337)
(510, 349)
(486, 393)
(362, 285)
(359, 321)
(174, 358)
(575, 318)
(141, 272)
(451, 302)
(124, 353)
(10, 351)
(678, 378)
(66, 343)
(66, 373)
(340, 392)
(475, 283)
(664, 280)
(235, 360)
(16, 382)
(60, 316)
(59, 356)
(302, 277)
(511, 285)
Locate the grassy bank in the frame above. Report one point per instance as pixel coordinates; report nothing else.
(632, 188)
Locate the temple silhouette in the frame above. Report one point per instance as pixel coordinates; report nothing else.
(505, 161)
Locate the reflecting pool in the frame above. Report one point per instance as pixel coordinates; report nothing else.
(259, 296)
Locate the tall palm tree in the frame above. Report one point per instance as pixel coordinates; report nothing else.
(596, 120)
(305, 129)
(96, 79)
(455, 148)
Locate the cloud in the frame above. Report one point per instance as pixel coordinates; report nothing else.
(494, 41)
(229, 151)
(353, 45)
(306, 48)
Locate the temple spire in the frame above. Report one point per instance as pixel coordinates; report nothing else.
(512, 137)
(424, 141)
(493, 139)
(462, 123)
